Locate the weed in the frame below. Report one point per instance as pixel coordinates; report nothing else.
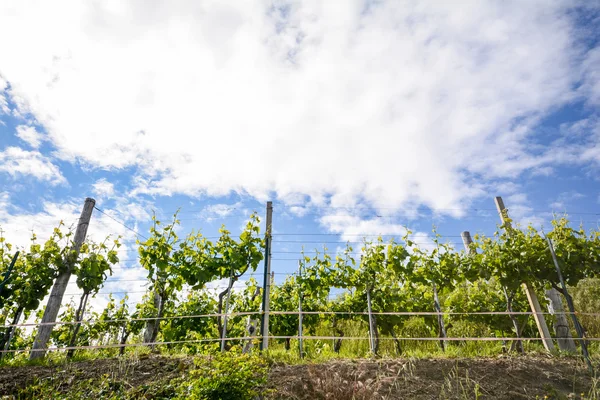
(227, 376)
(460, 387)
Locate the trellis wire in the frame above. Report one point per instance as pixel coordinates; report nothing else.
(207, 340)
(246, 313)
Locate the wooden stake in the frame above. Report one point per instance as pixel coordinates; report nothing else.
(371, 333)
(300, 344)
(60, 284)
(264, 326)
(440, 318)
(561, 323)
(251, 324)
(534, 303)
(224, 333)
(466, 238)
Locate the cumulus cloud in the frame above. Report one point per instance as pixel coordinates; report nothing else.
(103, 188)
(591, 69)
(18, 162)
(355, 229)
(18, 224)
(4, 109)
(385, 103)
(564, 198)
(29, 135)
(219, 211)
(523, 214)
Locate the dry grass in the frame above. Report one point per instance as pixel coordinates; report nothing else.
(489, 378)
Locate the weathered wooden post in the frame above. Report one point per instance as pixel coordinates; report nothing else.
(60, 284)
(534, 303)
(264, 326)
(440, 318)
(224, 333)
(251, 324)
(300, 344)
(371, 323)
(561, 324)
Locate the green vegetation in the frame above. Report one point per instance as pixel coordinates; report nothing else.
(237, 376)
(390, 278)
(226, 376)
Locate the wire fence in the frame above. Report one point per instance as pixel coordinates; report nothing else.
(299, 336)
(281, 241)
(242, 338)
(275, 312)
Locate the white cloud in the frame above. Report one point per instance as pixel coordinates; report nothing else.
(18, 162)
(520, 211)
(354, 228)
(563, 200)
(351, 228)
(591, 67)
(103, 188)
(390, 105)
(30, 135)
(298, 211)
(219, 211)
(18, 224)
(4, 109)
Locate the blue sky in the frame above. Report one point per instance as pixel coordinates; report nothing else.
(353, 118)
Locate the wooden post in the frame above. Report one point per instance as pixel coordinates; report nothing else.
(224, 333)
(300, 344)
(251, 324)
(371, 333)
(264, 326)
(440, 318)
(60, 284)
(569, 299)
(561, 323)
(534, 303)
(466, 238)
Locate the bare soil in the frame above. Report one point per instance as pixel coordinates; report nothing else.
(481, 378)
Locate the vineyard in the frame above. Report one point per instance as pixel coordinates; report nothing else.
(519, 292)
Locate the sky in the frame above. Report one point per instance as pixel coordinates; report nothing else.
(355, 118)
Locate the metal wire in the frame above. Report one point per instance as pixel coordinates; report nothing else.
(208, 340)
(245, 313)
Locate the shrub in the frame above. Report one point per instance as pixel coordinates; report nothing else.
(227, 376)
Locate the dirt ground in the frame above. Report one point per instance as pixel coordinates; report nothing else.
(489, 378)
(481, 378)
(136, 372)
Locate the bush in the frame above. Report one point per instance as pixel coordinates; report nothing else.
(586, 296)
(227, 376)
